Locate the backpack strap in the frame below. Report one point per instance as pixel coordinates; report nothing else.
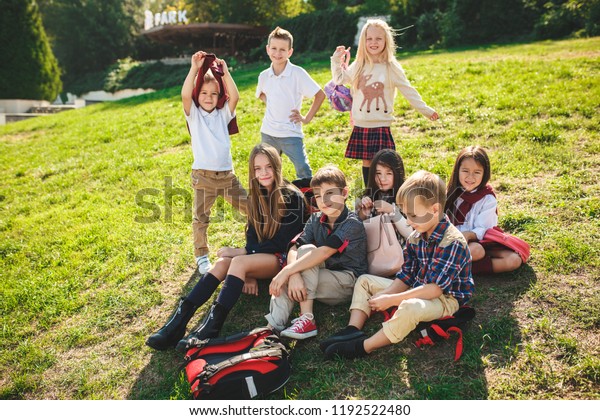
(194, 346)
(426, 340)
(200, 344)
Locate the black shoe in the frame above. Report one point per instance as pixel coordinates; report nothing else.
(174, 329)
(347, 349)
(210, 327)
(346, 334)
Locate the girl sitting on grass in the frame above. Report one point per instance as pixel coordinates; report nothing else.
(275, 217)
(472, 208)
(386, 176)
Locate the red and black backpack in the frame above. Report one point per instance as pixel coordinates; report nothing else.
(242, 366)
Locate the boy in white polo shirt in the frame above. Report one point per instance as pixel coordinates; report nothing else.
(281, 87)
(212, 170)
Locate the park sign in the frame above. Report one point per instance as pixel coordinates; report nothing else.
(171, 17)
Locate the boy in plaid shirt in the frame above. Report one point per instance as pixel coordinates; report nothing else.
(433, 282)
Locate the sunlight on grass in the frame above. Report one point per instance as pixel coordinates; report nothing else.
(96, 244)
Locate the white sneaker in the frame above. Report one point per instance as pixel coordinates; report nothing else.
(203, 264)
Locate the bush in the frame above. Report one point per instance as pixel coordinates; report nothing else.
(33, 72)
(560, 19)
(322, 30)
(129, 74)
(592, 24)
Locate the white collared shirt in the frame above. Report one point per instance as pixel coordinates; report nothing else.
(211, 144)
(284, 93)
(481, 217)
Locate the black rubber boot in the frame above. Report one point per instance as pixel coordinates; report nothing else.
(174, 329)
(210, 327)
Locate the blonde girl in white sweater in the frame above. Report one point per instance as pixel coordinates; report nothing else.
(374, 76)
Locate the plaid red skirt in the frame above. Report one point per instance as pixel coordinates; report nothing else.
(365, 142)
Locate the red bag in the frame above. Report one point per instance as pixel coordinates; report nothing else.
(496, 235)
(242, 366)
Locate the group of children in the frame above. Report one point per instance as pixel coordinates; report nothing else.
(323, 255)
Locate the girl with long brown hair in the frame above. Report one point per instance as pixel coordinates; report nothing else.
(275, 216)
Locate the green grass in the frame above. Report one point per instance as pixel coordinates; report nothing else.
(88, 274)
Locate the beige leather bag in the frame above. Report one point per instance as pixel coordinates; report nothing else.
(384, 252)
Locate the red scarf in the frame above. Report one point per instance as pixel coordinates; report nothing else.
(458, 215)
(217, 71)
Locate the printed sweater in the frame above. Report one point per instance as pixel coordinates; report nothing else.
(373, 101)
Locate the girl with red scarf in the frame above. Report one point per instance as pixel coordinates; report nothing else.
(472, 208)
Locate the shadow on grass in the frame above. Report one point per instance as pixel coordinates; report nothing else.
(492, 339)
(397, 372)
(163, 377)
(403, 371)
(159, 379)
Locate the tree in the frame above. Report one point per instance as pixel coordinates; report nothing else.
(251, 12)
(32, 71)
(89, 35)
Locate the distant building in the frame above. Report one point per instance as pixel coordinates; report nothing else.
(220, 38)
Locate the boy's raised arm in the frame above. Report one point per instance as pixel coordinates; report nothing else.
(232, 90)
(188, 85)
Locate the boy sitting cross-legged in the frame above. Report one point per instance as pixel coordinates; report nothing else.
(324, 261)
(433, 282)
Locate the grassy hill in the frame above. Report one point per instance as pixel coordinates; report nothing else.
(96, 241)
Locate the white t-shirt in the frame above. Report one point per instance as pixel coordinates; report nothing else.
(284, 93)
(211, 144)
(481, 217)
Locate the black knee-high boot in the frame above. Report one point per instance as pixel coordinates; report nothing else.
(210, 327)
(174, 329)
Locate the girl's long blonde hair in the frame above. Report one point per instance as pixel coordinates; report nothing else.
(266, 209)
(362, 56)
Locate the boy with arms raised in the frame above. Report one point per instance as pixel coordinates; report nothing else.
(433, 282)
(212, 170)
(281, 87)
(324, 261)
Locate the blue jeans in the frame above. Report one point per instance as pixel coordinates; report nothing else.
(292, 147)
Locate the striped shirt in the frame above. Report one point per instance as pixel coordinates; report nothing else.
(443, 259)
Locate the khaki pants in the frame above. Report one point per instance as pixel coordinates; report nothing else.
(409, 313)
(208, 185)
(331, 287)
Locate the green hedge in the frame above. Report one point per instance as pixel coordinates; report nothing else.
(322, 30)
(449, 23)
(129, 74)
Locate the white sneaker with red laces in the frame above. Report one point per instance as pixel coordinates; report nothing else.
(301, 328)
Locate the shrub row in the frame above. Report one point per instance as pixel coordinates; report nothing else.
(448, 23)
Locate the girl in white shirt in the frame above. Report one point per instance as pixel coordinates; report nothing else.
(472, 207)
